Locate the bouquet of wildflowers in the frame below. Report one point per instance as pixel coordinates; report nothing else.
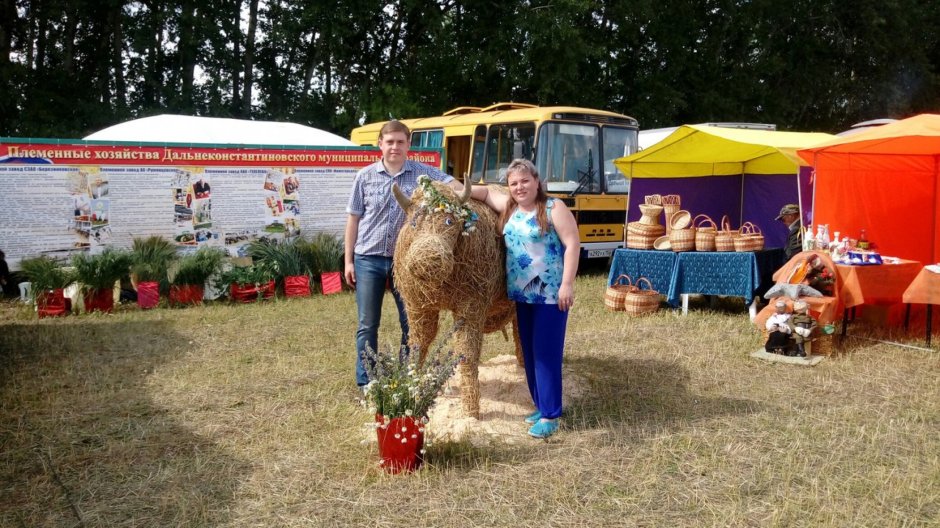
(435, 202)
(402, 387)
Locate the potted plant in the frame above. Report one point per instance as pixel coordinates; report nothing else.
(328, 255)
(400, 394)
(98, 273)
(287, 260)
(188, 277)
(249, 283)
(47, 282)
(150, 259)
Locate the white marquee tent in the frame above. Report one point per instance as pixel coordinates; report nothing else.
(168, 128)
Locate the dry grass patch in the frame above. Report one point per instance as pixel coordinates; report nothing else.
(247, 416)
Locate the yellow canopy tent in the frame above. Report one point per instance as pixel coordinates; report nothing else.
(745, 174)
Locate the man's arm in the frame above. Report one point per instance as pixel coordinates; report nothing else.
(349, 248)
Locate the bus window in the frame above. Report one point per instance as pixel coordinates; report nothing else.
(427, 139)
(569, 157)
(505, 143)
(618, 142)
(479, 144)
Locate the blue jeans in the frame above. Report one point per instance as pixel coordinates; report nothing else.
(372, 273)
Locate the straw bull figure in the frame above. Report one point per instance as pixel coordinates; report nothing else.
(449, 256)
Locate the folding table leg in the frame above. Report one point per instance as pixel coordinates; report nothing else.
(685, 303)
(929, 322)
(752, 310)
(845, 324)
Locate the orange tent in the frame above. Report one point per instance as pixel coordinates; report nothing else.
(884, 180)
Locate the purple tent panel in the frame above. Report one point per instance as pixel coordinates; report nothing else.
(755, 198)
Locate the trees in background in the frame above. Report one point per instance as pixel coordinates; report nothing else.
(69, 67)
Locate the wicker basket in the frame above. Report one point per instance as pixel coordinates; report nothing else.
(671, 204)
(617, 292)
(751, 238)
(650, 214)
(641, 301)
(635, 241)
(704, 233)
(682, 239)
(642, 236)
(823, 345)
(638, 228)
(724, 239)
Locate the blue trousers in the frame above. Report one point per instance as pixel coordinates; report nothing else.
(542, 332)
(372, 273)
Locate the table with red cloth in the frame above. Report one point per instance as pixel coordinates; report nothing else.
(874, 284)
(924, 289)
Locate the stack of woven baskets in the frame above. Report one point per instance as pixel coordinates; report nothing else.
(682, 234)
(642, 233)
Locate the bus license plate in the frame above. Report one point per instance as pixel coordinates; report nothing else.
(599, 253)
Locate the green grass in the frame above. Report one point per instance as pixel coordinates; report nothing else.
(246, 415)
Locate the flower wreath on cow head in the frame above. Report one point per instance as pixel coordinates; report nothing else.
(434, 202)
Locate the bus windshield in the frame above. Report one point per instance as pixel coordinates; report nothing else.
(568, 157)
(618, 142)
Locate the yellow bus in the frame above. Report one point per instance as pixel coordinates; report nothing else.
(573, 148)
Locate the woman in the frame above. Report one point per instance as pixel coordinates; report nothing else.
(542, 251)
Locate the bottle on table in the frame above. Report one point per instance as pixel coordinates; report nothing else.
(809, 243)
(863, 242)
(822, 237)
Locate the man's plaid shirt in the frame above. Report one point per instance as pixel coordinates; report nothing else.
(380, 216)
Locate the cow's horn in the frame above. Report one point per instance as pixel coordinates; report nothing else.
(400, 197)
(467, 189)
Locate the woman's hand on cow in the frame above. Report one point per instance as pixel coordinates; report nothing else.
(565, 297)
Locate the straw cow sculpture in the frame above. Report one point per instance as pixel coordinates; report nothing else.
(449, 256)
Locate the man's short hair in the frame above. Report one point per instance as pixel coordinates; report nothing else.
(394, 126)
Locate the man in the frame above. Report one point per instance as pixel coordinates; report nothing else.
(374, 219)
(790, 216)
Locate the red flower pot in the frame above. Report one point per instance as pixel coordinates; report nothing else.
(101, 300)
(148, 294)
(181, 294)
(297, 286)
(331, 282)
(248, 293)
(400, 443)
(52, 303)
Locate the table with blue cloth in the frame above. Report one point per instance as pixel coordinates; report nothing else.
(744, 274)
(656, 266)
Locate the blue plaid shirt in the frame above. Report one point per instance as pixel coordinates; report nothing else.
(380, 216)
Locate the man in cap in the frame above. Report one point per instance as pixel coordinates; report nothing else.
(790, 215)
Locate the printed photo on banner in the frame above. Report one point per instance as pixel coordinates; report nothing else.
(191, 191)
(282, 203)
(91, 207)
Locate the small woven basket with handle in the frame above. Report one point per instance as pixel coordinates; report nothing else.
(705, 233)
(724, 239)
(617, 292)
(641, 301)
(751, 238)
